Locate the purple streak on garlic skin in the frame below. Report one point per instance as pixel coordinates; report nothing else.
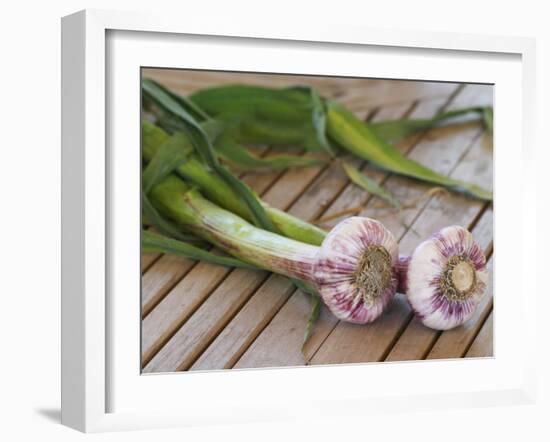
(446, 278)
(355, 270)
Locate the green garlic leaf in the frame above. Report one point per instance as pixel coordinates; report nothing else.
(369, 185)
(153, 242)
(202, 144)
(315, 312)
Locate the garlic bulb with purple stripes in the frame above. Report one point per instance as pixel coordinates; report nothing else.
(446, 278)
(355, 271)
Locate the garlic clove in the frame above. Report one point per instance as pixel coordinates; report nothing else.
(355, 269)
(446, 278)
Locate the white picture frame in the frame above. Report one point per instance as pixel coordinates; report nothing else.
(101, 391)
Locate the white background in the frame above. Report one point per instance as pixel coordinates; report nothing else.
(30, 219)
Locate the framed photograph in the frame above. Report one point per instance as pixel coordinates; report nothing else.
(251, 213)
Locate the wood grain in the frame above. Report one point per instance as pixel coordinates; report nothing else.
(482, 347)
(147, 260)
(195, 335)
(160, 278)
(246, 325)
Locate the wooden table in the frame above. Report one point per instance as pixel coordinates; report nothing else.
(199, 316)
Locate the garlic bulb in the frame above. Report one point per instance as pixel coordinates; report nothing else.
(446, 278)
(355, 271)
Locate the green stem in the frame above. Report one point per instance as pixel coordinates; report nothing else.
(215, 189)
(393, 130)
(152, 242)
(355, 136)
(230, 233)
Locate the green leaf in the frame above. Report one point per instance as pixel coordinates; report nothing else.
(164, 226)
(274, 116)
(196, 112)
(319, 117)
(153, 242)
(369, 185)
(314, 314)
(304, 286)
(171, 154)
(488, 118)
(195, 172)
(237, 155)
(356, 137)
(393, 130)
(152, 137)
(256, 115)
(203, 146)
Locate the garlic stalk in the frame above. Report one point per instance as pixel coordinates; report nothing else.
(445, 278)
(353, 270)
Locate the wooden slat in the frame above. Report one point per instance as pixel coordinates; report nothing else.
(218, 309)
(482, 347)
(247, 324)
(160, 278)
(147, 259)
(175, 308)
(417, 340)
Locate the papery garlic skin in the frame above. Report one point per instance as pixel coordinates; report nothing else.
(355, 270)
(446, 278)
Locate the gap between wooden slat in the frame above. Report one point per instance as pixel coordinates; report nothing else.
(481, 325)
(487, 323)
(191, 361)
(151, 263)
